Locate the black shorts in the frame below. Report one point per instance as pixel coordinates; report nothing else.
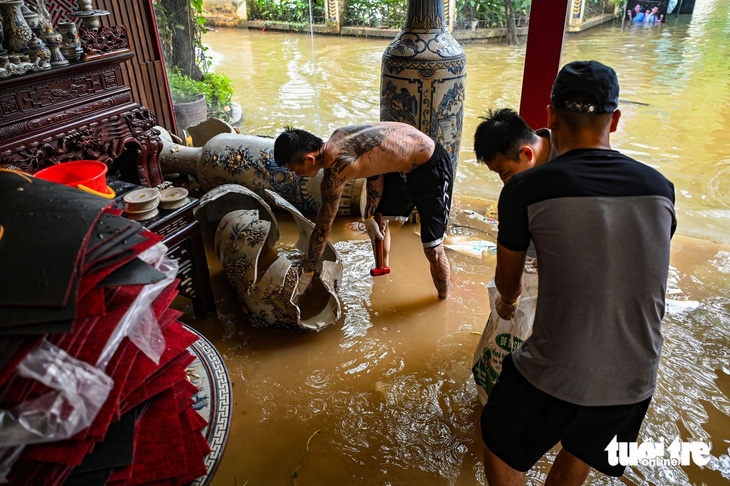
(520, 423)
(427, 187)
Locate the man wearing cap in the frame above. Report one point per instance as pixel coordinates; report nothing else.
(601, 224)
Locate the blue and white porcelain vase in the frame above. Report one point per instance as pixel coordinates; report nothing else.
(423, 78)
(230, 158)
(17, 31)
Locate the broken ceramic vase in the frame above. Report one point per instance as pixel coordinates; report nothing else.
(246, 241)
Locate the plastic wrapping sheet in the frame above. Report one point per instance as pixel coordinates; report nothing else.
(139, 323)
(79, 391)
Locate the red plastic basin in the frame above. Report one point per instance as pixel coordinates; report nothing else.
(83, 174)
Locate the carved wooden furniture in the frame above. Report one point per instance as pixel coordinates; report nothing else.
(145, 72)
(81, 111)
(184, 240)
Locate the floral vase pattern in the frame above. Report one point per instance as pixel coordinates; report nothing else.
(17, 31)
(249, 161)
(247, 231)
(423, 78)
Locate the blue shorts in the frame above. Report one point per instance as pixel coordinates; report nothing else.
(520, 423)
(428, 188)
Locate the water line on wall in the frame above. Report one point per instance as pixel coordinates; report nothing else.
(314, 70)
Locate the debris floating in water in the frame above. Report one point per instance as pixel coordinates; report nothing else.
(678, 306)
(311, 436)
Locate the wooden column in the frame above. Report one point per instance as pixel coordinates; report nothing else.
(542, 59)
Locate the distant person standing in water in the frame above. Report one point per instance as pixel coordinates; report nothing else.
(653, 17)
(637, 15)
(404, 168)
(601, 223)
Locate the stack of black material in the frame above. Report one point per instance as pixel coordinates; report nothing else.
(69, 277)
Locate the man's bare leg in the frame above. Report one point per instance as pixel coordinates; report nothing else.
(499, 473)
(440, 270)
(567, 470)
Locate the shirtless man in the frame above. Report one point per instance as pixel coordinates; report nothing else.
(404, 169)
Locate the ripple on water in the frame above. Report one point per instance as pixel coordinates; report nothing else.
(359, 423)
(718, 187)
(420, 427)
(318, 379)
(356, 288)
(367, 356)
(686, 385)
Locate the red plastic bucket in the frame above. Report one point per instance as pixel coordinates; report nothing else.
(87, 175)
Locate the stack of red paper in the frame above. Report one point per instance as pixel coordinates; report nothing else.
(69, 275)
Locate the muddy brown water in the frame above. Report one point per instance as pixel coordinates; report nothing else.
(385, 396)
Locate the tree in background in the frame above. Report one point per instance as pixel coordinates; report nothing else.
(511, 25)
(181, 26)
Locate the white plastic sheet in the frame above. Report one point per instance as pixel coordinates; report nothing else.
(139, 322)
(79, 391)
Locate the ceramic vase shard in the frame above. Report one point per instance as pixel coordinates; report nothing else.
(215, 204)
(246, 240)
(329, 268)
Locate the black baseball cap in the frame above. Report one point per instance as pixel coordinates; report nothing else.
(587, 87)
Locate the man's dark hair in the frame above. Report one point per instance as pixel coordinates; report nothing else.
(293, 143)
(502, 131)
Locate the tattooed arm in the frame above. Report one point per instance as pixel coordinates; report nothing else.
(375, 186)
(331, 191)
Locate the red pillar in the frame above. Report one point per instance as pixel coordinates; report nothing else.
(542, 58)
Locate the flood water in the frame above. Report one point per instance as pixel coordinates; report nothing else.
(385, 396)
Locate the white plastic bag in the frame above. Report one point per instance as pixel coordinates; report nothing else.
(139, 323)
(78, 391)
(501, 337)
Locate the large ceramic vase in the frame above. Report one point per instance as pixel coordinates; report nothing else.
(249, 161)
(424, 77)
(17, 31)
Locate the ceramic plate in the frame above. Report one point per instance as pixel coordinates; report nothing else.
(213, 400)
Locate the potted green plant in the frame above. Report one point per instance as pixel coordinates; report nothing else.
(195, 101)
(218, 91)
(188, 100)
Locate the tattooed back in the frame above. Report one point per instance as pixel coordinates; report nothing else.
(361, 151)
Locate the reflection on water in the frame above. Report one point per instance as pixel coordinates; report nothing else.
(385, 396)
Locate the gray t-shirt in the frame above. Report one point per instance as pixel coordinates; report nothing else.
(543, 132)
(601, 223)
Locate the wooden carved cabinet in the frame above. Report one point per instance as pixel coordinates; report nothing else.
(78, 112)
